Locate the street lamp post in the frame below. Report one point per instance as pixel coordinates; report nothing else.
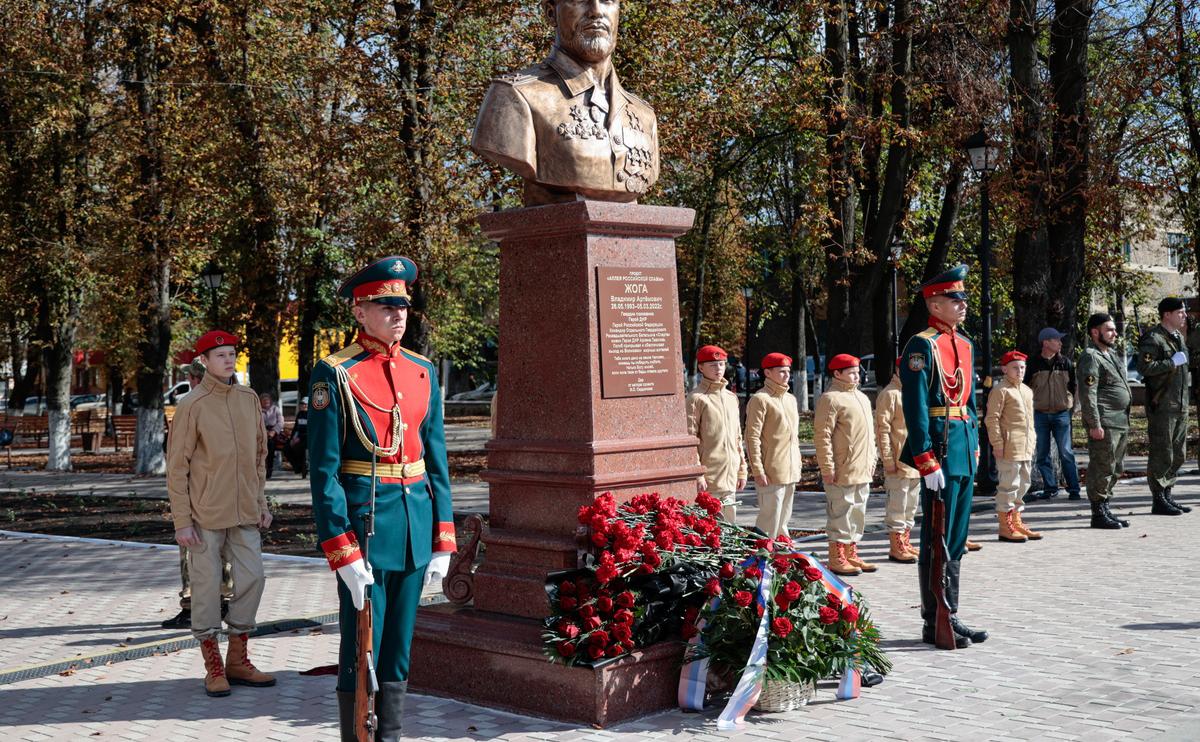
(897, 250)
(747, 293)
(213, 277)
(984, 155)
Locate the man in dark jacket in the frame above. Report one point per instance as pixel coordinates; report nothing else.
(1052, 377)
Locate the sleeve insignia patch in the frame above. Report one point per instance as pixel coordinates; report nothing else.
(320, 395)
(1148, 357)
(916, 361)
(1090, 380)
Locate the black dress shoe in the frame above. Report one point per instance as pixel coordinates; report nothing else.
(928, 635)
(182, 620)
(1074, 496)
(977, 636)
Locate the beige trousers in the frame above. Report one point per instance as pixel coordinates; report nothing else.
(728, 498)
(1013, 480)
(902, 496)
(243, 546)
(846, 512)
(775, 508)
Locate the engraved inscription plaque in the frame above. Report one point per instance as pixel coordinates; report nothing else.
(639, 345)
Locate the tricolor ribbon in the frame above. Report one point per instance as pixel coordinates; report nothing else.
(694, 675)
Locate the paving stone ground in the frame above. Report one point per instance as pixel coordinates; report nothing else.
(1095, 635)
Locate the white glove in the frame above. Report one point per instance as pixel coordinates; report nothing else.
(439, 565)
(935, 480)
(1179, 358)
(357, 577)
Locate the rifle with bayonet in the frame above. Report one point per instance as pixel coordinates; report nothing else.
(366, 685)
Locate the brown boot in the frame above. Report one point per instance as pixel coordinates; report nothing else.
(972, 546)
(838, 564)
(854, 559)
(899, 551)
(1020, 527)
(908, 544)
(215, 683)
(241, 670)
(1007, 532)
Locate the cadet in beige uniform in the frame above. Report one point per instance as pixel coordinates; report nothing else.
(714, 418)
(844, 436)
(1010, 429)
(773, 445)
(902, 482)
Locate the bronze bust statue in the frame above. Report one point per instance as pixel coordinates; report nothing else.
(566, 125)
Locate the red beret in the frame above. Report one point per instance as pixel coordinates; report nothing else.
(843, 360)
(215, 339)
(775, 360)
(710, 353)
(1012, 355)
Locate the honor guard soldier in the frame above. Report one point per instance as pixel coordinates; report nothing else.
(714, 418)
(902, 482)
(844, 436)
(773, 445)
(375, 413)
(943, 438)
(1163, 363)
(1104, 402)
(1010, 430)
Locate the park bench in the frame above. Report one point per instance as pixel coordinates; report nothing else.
(123, 427)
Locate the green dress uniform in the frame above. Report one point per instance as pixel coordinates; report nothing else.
(937, 390)
(1104, 400)
(378, 396)
(1166, 407)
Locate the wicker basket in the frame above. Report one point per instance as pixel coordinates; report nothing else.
(784, 695)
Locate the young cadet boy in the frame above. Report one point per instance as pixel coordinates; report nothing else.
(714, 418)
(844, 436)
(216, 459)
(1009, 422)
(902, 482)
(773, 445)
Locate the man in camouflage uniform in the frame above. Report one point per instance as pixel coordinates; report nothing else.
(1104, 401)
(1163, 363)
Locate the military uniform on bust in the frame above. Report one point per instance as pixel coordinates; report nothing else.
(844, 437)
(1163, 364)
(902, 482)
(1104, 398)
(943, 436)
(773, 445)
(377, 400)
(714, 418)
(1010, 430)
(564, 132)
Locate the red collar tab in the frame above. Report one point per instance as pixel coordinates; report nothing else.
(378, 347)
(941, 326)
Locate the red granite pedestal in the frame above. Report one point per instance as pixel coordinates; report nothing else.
(565, 434)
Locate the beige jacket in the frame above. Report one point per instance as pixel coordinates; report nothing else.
(713, 417)
(844, 435)
(773, 434)
(1009, 421)
(890, 431)
(216, 458)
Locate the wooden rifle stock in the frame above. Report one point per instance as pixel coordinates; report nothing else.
(365, 684)
(943, 632)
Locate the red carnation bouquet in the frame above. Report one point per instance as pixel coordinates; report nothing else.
(813, 634)
(654, 561)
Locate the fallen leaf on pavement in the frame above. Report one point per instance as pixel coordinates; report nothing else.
(1126, 650)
